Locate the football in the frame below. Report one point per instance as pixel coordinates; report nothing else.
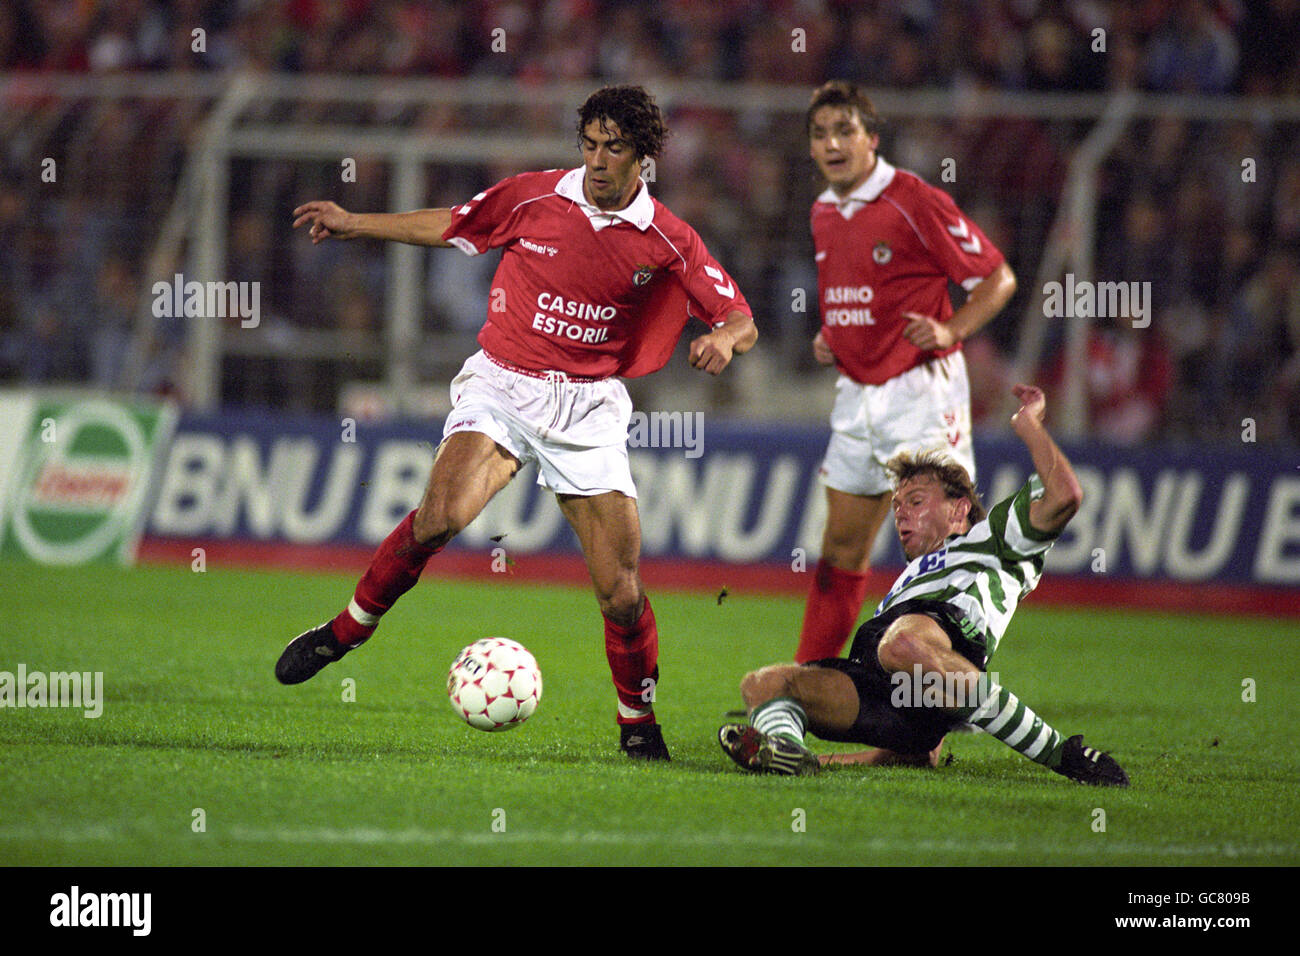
(494, 684)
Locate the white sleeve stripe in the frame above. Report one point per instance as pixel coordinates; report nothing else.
(468, 247)
(670, 244)
(910, 222)
(525, 202)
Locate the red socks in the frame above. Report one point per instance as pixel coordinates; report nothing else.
(393, 571)
(633, 654)
(633, 651)
(834, 601)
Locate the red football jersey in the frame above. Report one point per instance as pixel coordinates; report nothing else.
(584, 291)
(890, 247)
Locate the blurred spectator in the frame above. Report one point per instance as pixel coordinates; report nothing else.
(1197, 233)
(1265, 354)
(1138, 248)
(1192, 52)
(863, 52)
(1128, 380)
(109, 319)
(1060, 60)
(990, 380)
(1286, 203)
(1270, 37)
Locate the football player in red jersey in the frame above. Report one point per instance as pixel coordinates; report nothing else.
(596, 282)
(887, 245)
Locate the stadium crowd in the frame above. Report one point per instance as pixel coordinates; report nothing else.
(1176, 208)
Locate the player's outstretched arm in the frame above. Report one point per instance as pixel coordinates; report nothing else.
(1062, 493)
(712, 352)
(423, 227)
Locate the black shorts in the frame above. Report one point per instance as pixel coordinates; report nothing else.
(881, 721)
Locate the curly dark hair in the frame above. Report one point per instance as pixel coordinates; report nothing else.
(952, 476)
(844, 94)
(633, 111)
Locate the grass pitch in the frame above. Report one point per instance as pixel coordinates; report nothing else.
(201, 758)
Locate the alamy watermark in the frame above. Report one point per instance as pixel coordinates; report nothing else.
(667, 430)
(1086, 299)
(923, 688)
(179, 299)
(77, 909)
(79, 689)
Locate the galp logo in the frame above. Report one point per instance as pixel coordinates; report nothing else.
(82, 481)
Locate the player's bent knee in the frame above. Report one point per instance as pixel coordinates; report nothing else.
(900, 651)
(622, 602)
(749, 688)
(847, 552)
(766, 684)
(438, 522)
(427, 527)
(912, 639)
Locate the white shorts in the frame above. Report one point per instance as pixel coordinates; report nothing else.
(576, 431)
(926, 408)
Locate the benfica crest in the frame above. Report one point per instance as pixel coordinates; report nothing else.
(882, 253)
(643, 275)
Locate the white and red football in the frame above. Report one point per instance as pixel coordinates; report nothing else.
(494, 684)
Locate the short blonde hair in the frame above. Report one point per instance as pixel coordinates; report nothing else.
(952, 476)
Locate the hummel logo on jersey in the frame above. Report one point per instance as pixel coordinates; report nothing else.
(538, 248)
(962, 231)
(726, 291)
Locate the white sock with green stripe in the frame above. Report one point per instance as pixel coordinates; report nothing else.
(780, 717)
(1002, 715)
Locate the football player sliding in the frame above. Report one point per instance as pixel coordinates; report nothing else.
(917, 669)
(596, 283)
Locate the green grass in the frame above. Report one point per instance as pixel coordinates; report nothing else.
(194, 720)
